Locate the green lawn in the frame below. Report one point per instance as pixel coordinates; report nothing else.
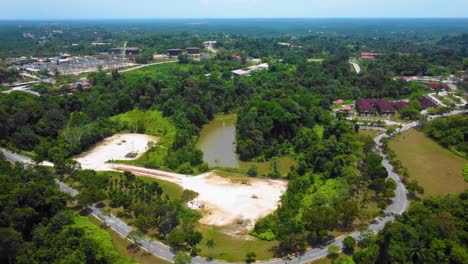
(436, 169)
(230, 248)
(371, 133)
(153, 123)
(152, 71)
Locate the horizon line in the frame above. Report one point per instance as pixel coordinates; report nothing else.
(218, 18)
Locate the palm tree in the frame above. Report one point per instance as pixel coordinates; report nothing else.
(418, 253)
(210, 244)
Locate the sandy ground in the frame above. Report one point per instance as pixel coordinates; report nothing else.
(114, 148)
(222, 202)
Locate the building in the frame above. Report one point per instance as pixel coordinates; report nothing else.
(193, 50)
(427, 103)
(436, 85)
(174, 52)
(128, 51)
(116, 51)
(339, 101)
(370, 55)
(132, 51)
(365, 107)
(369, 107)
(247, 71)
(398, 105)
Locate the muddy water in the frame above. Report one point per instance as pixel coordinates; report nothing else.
(217, 141)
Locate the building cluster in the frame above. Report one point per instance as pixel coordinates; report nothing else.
(370, 107)
(82, 83)
(66, 64)
(370, 55)
(248, 70)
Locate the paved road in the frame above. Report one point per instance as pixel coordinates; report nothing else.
(146, 65)
(356, 67)
(399, 205)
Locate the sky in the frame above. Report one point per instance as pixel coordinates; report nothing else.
(159, 9)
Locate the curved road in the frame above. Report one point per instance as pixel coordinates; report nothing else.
(399, 205)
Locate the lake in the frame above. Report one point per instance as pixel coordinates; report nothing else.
(218, 142)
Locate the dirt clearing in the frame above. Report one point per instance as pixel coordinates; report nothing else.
(224, 202)
(235, 203)
(116, 147)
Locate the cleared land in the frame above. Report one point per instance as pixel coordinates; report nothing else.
(224, 202)
(116, 147)
(436, 169)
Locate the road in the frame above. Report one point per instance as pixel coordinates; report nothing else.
(24, 89)
(146, 65)
(399, 204)
(356, 67)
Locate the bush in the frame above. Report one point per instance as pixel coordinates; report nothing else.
(268, 235)
(250, 257)
(333, 250)
(349, 243)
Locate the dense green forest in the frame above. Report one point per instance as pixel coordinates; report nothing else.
(37, 227)
(450, 132)
(432, 231)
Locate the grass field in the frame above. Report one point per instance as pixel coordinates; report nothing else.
(436, 169)
(371, 133)
(230, 248)
(151, 123)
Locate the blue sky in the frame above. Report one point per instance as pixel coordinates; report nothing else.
(115, 9)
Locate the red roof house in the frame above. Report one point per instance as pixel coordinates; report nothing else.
(427, 103)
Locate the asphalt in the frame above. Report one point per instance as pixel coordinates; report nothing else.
(399, 204)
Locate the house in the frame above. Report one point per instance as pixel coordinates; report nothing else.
(370, 55)
(174, 52)
(365, 107)
(384, 107)
(346, 110)
(193, 50)
(398, 105)
(436, 85)
(369, 107)
(427, 103)
(132, 51)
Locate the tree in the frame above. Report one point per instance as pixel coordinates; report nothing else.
(182, 258)
(135, 236)
(414, 188)
(252, 172)
(250, 257)
(183, 58)
(210, 243)
(333, 251)
(349, 243)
